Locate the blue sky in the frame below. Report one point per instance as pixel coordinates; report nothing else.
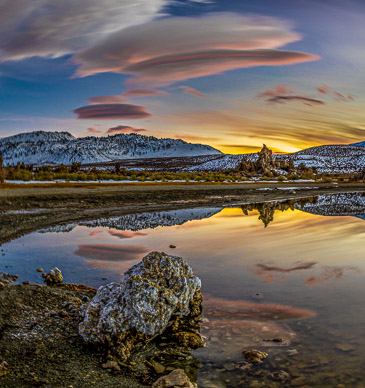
(233, 74)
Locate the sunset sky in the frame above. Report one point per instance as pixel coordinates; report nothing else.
(230, 73)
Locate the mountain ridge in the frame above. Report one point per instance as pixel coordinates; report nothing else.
(43, 147)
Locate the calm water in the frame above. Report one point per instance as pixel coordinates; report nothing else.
(300, 279)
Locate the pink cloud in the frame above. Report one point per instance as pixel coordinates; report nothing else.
(281, 94)
(111, 252)
(112, 112)
(173, 49)
(126, 234)
(325, 89)
(330, 274)
(241, 309)
(277, 90)
(144, 93)
(124, 129)
(189, 90)
(113, 99)
(93, 130)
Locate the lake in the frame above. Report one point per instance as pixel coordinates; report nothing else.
(284, 277)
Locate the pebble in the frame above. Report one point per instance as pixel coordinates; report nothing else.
(111, 365)
(345, 347)
(298, 382)
(230, 366)
(40, 269)
(159, 368)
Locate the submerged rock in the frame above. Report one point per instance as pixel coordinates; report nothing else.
(254, 356)
(176, 378)
(159, 289)
(53, 277)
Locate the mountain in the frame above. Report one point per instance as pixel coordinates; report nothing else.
(331, 158)
(326, 158)
(136, 222)
(62, 148)
(361, 144)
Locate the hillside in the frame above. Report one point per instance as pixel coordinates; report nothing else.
(62, 148)
(331, 158)
(326, 158)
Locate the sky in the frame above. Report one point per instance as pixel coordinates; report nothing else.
(233, 74)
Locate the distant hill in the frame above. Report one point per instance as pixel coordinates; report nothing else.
(62, 148)
(361, 144)
(326, 158)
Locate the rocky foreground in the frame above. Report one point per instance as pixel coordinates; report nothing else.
(72, 336)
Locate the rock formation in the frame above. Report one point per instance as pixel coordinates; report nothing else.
(53, 277)
(154, 295)
(267, 210)
(264, 165)
(266, 162)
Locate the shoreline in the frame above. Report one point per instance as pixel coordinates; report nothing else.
(24, 210)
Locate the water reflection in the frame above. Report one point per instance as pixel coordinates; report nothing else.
(282, 271)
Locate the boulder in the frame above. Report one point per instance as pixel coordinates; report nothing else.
(53, 277)
(158, 290)
(177, 378)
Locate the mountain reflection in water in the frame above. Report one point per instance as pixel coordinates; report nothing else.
(284, 276)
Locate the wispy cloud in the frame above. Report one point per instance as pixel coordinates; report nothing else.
(326, 90)
(330, 274)
(112, 99)
(145, 93)
(93, 130)
(190, 90)
(305, 100)
(281, 94)
(123, 98)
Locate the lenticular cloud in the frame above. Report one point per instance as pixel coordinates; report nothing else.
(51, 28)
(173, 49)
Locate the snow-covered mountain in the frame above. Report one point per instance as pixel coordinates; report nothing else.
(135, 222)
(331, 158)
(343, 204)
(62, 148)
(327, 158)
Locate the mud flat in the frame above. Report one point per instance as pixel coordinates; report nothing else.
(39, 341)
